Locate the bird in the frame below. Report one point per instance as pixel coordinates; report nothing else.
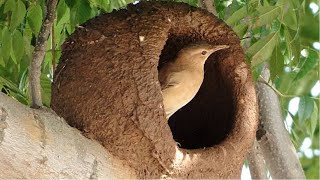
(181, 78)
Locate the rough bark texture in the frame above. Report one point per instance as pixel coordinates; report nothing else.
(39, 53)
(106, 85)
(256, 163)
(37, 144)
(274, 140)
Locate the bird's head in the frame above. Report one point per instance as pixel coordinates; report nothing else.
(199, 52)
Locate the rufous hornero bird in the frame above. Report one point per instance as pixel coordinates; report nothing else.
(181, 78)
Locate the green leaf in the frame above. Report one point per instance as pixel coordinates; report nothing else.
(296, 138)
(13, 91)
(17, 45)
(289, 14)
(267, 14)
(61, 10)
(1, 2)
(309, 28)
(237, 16)
(308, 64)
(72, 3)
(118, 4)
(296, 4)
(262, 49)
(6, 43)
(23, 65)
(103, 4)
(241, 13)
(84, 12)
(257, 71)
(314, 119)
(9, 6)
(276, 63)
(290, 20)
(34, 18)
(2, 63)
(300, 87)
(9, 84)
(23, 84)
(240, 29)
(18, 15)
(305, 108)
(81, 13)
(46, 65)
(27, 44)
(45, 89)
(1, 42)
(292, 44)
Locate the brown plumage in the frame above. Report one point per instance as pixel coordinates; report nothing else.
(181, 79)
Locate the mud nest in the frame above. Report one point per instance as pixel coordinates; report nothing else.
(106, 85)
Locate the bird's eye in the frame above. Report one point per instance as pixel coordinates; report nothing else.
(204, 52)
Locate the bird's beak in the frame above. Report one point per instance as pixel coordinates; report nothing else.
(218, 47)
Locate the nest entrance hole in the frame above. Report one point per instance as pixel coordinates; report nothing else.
(209, 118)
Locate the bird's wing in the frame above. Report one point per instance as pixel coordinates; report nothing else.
(172, 79)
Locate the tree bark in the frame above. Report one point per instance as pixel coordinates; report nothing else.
(273, 138)
(37, 144)
(256, 163)
(39, 53)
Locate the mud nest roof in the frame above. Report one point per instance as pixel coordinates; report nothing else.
(106, 85)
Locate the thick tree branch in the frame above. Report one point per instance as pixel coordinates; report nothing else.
(256, 162)
(39, 53)
(37, 144)
(274, 140)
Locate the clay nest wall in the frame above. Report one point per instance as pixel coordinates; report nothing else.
(106, 85)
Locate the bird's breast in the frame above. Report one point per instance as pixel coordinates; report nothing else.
(178, 96)
(189, 89)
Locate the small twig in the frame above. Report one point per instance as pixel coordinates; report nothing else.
(39, 53)
(262, 80)
(279, 93)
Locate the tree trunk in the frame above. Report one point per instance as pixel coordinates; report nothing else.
(37, 144)
(256, 163)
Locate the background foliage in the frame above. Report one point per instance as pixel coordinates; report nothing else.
(284, 33)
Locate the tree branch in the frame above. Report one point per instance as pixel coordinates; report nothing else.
(256, 162)
(273, 138)
(39, 53)
(37, 144)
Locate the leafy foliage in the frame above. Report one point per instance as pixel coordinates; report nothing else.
(20, 23)
(272, 31)
(278, 35)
